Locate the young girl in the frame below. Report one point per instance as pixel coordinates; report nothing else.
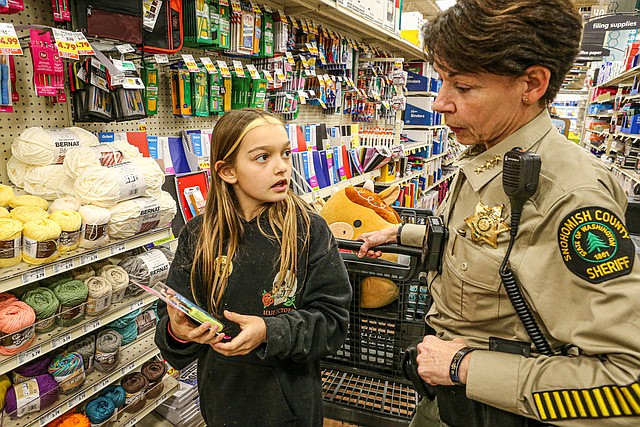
(269, 268)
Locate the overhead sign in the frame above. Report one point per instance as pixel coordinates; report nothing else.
(595, 30)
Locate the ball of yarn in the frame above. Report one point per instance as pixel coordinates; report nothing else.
(45, 305)
(47, 394)
(72, 296)
(134, 385)
(28, 213)
(10, 242)
(66, 203)
(94, 228)
(70, 222)
(141, 214)
(106, 186)
(40, 241)
(48, 182)
(71, 419)
(99, 410)
(154, 371)
(5, 384)
(51, 281)
(4, 213)
(83, 273)
(125, 320)
(78, 159)
(32, 369)
(16, 327)
(17, 170)
(118, 278)
(6, 194)
(99, 299)
(68, 371)
(108, 344)
(139, 267)
(6, 298)
(86, 347)
(116, 393)
(129, 332)
(38, 146)
(29, 200)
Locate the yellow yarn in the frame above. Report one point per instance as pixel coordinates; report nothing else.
(6, 194)
(10, 242)
(5, 383)
(40, 241)
(28, 213)
(70, 222)
(29, 200)
(4, 213)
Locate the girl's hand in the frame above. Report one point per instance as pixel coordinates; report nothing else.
(183, 329)
(253, 332)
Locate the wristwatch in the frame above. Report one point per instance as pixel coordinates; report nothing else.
(455, 364)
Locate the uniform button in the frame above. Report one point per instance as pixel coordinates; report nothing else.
(464, 266)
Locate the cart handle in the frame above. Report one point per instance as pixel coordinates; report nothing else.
(355, 245)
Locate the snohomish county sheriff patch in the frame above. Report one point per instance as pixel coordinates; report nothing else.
(595, 245)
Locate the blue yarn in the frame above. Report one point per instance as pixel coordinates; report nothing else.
(116, 393)
(100, 410)
(125, 320)
(129, 332)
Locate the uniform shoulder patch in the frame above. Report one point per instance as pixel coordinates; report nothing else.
(595, 244)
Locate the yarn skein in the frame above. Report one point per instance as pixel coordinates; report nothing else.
(79, 159)
(71, 419)
(116, 393)
(4, 213)
(142, 214)
(129, 332)
(48, 182)
(6, 194)
(66, 203)
(32, 369)
(99, 298)
(5, 384)
(29, 200)
(99, 410)
(10, 242)
(28, 213)
(45, 305)
(154, 371)
(6, 298)
(38, 146)
(17, 330)
(43, 392)
(86, 347)
(134, 384)
(40, 241)
(125, 320)
(70, 222)
(118, 278)
(68, 371)
(140, 266)
(83, 272)
(17, 170)
(72, 296)
(94, 229)
(107, 350)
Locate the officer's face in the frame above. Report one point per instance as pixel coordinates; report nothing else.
(481, 108)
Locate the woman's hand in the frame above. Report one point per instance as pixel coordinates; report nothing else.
(253, 332)
(376, 238)
(182, 328)
(434, 359)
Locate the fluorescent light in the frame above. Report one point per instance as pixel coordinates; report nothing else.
(445, 4)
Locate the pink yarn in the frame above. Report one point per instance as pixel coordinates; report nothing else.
(14, 317)
(6, 298)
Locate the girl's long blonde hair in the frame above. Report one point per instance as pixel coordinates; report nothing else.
(221, 219)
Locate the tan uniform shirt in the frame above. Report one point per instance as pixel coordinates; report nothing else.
(578, 301)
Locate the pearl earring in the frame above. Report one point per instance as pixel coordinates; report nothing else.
(526, 100)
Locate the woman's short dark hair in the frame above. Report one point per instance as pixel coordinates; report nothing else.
(506, 37)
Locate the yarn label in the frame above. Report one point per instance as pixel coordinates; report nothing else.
(96, 306)
(106, 360)
(10, 248)
(93, 232)
(45, 324)
(146, 321)
(27, 397)
(70, 382)
(71, 313)
(157, 265)
(149, 214)
(17, 339)
(132, 399)
(108, 155)
(131, 180)
(63, 141)
(39, 250)
(69, 238)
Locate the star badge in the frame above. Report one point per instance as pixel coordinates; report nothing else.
(486, 224)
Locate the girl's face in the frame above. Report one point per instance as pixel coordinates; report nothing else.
(262, 170)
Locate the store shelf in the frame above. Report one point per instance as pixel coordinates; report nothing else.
(421, 127)
(22, 274)
(155, 420)
(406, 178)
(622, 77)
(327, 191)
(598, 132)
(626, 135)
(422, 93)
(44, 343)
(130, 420)
(132, 356)
(628, 173)
(438, 182)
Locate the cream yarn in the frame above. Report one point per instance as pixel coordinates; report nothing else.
(28, 213)
(40, 241)
(99, 298)
(4, 213)
(70, 222)
(42, 147)
(17, 170)
(94, 228)
(48, 182)
(10, 242)
(67, 203)
(83, 272)
(29, 200)
(6, 194)
(118, 278)
(142, 214)
(77, 160)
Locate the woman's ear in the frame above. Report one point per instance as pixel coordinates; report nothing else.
(226, 172)
(537, 79)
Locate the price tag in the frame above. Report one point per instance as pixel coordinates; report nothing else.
(305, 27)
(66, 44)
(255, 7)
(130, 367)
(290, 59)
(237, 66)
(267, 8)
(83, 45)
(267, 75)
(282, 16)
(398, 63)
(224, 69)
(132, 422)
(322, 103)
(88, 258)
(91, 326)
(161, 58)
(33, 275)
(102, 384)
(162, 399)
(9, 43)
(136, 305)
(253, 71)
(208, 65)
(293, 22)
(224, 2)
(29, 354)
(50, 417)
(64, 265)
(322, 57)
(303, 96)
(305, 63)
(142, 124)
(281, 75)
(60, 340)
(76, 400)
(125, 48)
(235, 6)
(190, 63)
(117, 248)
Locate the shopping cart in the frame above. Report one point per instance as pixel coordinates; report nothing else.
(363, 381)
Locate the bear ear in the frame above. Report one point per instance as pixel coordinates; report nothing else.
(368, 185)
(390, 195)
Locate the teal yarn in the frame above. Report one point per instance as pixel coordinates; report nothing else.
(71, 294)
(45, 304)
(68, 371)
(100, 410)
(129, 332)
(125, 320)
(116, 393)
